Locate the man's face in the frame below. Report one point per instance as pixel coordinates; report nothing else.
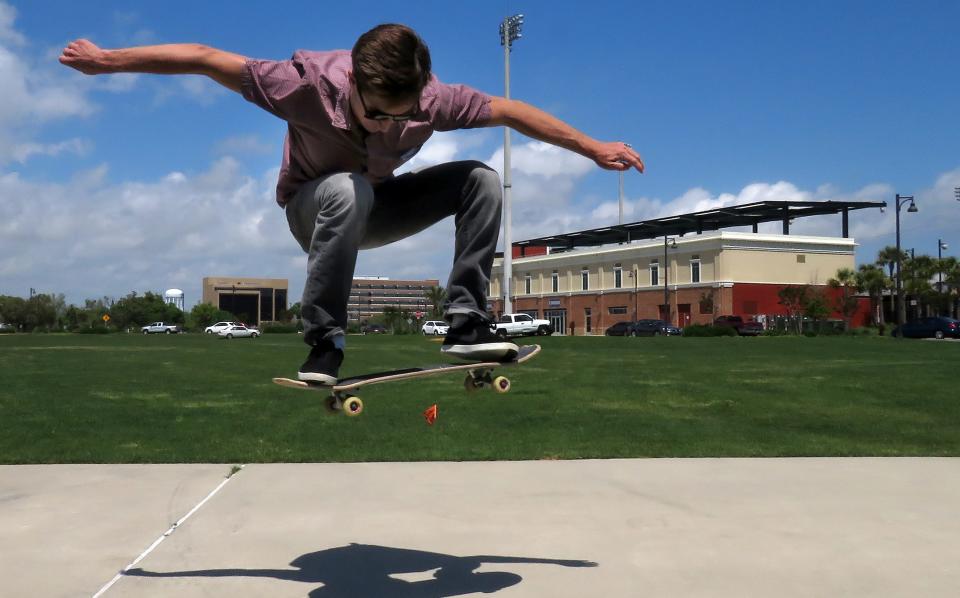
(365, 103)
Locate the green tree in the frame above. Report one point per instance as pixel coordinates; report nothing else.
(436, 296)
(917, 273)
(871, 278)
(206, 314)
(817, 305)
(887, 258)
(794, 298)
(846, 302)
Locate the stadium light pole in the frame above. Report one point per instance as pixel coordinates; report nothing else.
(901, 308)
(509, 33)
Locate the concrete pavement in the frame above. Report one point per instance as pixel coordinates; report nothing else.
(664, 527)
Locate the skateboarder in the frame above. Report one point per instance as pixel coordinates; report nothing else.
(353, 118)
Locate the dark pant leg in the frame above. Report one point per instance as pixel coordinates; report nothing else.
(328, 217)
(471, 192)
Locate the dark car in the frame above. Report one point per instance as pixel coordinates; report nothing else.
(654, 328)
(620, 329)
(373, 329)
(936, 327)
(742, 327)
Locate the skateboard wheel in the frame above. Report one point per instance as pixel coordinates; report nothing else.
(353, 406)
(501, 384)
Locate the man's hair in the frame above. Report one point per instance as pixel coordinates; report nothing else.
(392, 61)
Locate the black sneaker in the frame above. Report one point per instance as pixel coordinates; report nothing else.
(475, 341)
(322, 365)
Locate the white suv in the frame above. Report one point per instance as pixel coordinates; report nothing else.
(435, 327)
(216, 328)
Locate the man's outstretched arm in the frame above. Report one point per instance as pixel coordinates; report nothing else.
(536, 123)
(172, 59)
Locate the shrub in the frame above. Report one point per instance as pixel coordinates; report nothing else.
(706, 330)
(281, 328)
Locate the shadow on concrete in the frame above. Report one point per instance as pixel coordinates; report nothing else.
(365, 570)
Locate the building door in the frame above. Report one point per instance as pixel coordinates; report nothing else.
(558, 319)
(683, 311)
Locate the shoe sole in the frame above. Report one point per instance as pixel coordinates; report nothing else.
(483, 352)
(316, 378)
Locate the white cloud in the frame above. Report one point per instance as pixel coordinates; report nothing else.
(22, 152)
(244, 144)
(8, 34)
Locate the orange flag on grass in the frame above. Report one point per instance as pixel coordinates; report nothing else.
(430, 414)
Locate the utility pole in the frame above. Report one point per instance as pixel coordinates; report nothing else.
(509, 33)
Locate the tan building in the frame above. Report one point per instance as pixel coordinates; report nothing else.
(370, 295)
(586, 290)
(252, 300)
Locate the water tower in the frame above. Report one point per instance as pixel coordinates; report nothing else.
(174, 297)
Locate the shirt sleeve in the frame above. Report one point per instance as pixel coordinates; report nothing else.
(459, 107)
(282, 89)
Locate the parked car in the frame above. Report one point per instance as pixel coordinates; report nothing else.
(435, 327)
(238, 331)
(620, 329)
(654, 328)
(936, 327)
(511, 325)
(216, 328)
(160, 328)
(373, 329)
(6, 327)
(742, 327)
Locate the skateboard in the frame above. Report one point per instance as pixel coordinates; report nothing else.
(479, 375)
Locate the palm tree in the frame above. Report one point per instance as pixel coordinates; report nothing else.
(870, 277)
(846, 281)
(437, 296)
(944, 266)
(952, 280)
(917, 273)
(887, 257)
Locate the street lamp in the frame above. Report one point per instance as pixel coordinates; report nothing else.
(668, 316)
(941, 247)
(509, 33)
(901, 308)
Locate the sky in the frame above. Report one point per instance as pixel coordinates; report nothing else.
(121, 183)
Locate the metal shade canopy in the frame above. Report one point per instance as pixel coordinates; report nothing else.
(696, 222)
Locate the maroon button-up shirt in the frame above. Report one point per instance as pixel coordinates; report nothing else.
(311, 92)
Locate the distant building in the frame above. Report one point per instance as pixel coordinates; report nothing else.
(252, 300)
(370, 295)
(721, 273)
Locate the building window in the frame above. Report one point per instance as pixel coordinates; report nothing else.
(618, 277)
(695, 270)
(588, 318)
(618, 311)
(585, 279)
(555, 281)
(526, 284)
(654, 274)
(801, 259)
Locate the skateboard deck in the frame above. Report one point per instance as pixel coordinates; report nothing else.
(479, 374)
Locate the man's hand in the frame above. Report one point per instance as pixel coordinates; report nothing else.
(617, 155)
(85, 57)
(536, 123)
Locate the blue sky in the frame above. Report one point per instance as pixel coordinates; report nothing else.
(113, 184)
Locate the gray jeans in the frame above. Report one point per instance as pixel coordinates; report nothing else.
(335, 216)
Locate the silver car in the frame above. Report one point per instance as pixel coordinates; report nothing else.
(238, 331)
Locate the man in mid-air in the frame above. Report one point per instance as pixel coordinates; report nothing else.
(353, 118)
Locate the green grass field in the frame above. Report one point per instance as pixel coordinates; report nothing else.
(130, 398)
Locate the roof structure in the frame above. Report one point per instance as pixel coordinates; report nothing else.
(696, 222)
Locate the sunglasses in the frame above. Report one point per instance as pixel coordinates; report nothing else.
(381, 116)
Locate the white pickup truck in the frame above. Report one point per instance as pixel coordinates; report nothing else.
(160, 328)
(522, 325)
